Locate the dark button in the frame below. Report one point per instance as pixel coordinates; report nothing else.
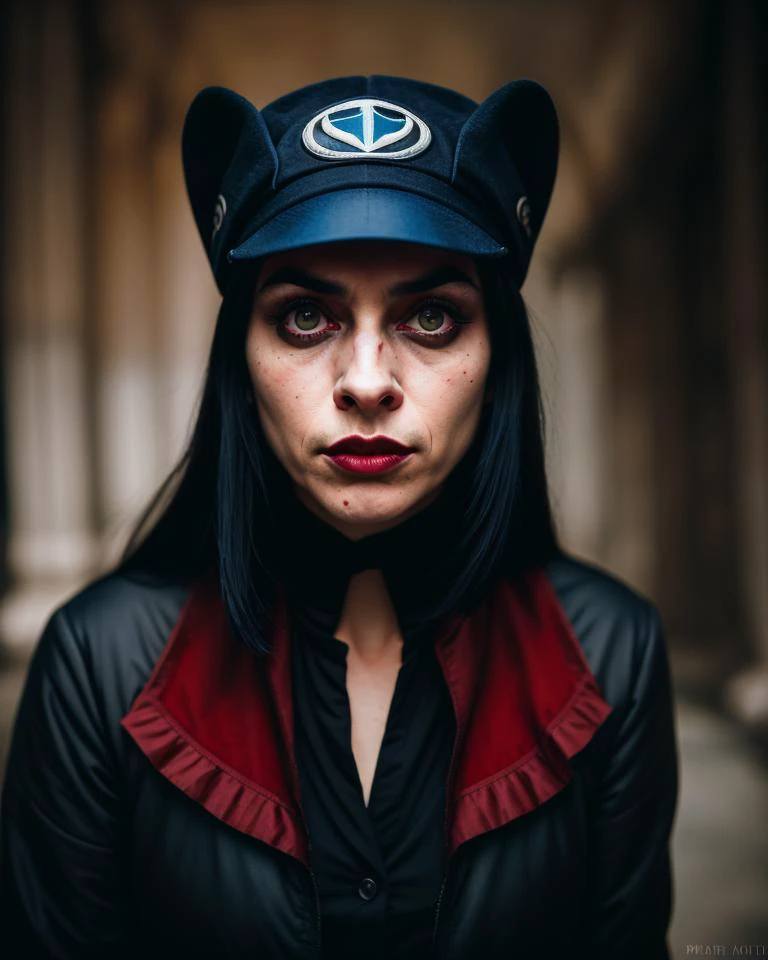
(367, 889)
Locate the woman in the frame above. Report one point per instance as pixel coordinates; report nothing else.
(345, 695)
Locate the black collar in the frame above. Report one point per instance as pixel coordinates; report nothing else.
(314, 561)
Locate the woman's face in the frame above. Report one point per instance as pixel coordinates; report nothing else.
(379, 339)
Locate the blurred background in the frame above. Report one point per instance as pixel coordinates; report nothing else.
(648, 294)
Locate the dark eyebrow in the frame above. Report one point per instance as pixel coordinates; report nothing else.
(437, 278)
(300, 278)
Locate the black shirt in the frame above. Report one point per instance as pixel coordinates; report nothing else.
(378, 869)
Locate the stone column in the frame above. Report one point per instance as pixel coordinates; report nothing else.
(746, 152)
(156, 301)
(50, 540)
(126, 308)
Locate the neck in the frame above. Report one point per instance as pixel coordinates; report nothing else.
(408, 569)
(368, 622)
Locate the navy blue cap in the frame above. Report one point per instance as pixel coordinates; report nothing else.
(371, 158)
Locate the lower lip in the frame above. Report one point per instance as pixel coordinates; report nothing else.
(367, 463)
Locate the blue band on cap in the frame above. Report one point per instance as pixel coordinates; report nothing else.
(373, 213)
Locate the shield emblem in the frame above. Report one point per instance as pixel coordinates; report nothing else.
(375, 129)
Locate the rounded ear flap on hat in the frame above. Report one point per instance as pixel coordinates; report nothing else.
(507, 155)
(229, 164)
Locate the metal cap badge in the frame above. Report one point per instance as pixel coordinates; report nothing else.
(376, 128)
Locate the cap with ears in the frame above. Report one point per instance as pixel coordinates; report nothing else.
(379, 157)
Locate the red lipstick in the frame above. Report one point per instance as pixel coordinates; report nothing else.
(357, 454)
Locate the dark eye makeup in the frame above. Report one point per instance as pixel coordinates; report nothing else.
(289, 317)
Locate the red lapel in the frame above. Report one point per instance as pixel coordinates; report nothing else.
(213, 718)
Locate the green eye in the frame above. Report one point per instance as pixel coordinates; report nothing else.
(431, 318)
(307, 318)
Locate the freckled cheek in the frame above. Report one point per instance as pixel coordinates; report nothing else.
(287, 407)
(454, 404)
(283, 400)
(268, 379)
(449, 405)
(462, 385)
(269, 375)
(270, 386)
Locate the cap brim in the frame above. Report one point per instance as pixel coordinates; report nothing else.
(368, 214)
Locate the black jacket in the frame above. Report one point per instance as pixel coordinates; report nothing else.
(149, 807)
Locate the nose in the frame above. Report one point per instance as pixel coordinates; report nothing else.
(368, 380)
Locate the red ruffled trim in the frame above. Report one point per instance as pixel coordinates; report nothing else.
(207, 720)
(528, 680)
(534, 778)
(206, 780)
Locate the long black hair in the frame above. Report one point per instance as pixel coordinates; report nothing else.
(213, 512)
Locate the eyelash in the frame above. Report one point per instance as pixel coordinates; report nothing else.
(457, 317)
